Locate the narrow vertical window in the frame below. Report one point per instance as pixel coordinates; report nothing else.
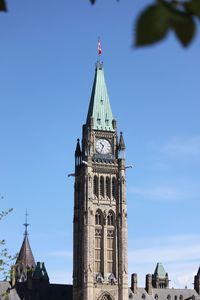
(98, 246)
(110, 251)
(102, 186)
(95, 186)
(108, 187)
(110, 218)
(98, 250)
(114, 187)
(98, 218)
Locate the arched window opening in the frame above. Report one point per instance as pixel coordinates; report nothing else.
(110, 218)
(106, 297)
(110, 251)
(98, 218)
(114, 187)
(98, 251)
(95, 186)
(108, 187)
(102, 186)
(168, 297)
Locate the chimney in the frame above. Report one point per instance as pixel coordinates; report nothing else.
(13, 276)
(134, 283)
(29, 278)
(149, 284)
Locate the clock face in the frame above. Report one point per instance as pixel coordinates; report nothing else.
(103, 146)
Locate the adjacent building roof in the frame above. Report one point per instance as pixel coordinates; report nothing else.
(7, 293)
(37, 291)
(100, 113)
(164, 294)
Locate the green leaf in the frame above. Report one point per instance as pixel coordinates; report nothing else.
(152, 25)
(184, 28)
(193, 7)
(3, 5)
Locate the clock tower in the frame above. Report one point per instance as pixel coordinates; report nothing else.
(100, 213)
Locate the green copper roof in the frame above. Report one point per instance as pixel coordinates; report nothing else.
(160, 271)
(99, 112)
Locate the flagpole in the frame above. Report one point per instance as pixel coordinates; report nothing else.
(99, 49)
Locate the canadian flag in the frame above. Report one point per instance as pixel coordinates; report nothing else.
(99, 47)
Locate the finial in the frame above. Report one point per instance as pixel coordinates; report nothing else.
(99, 49)
(26, 224)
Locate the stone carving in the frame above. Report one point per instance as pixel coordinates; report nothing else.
(112, 279)
(99, 278)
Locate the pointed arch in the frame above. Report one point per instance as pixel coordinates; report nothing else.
(106, 296)
(98, 217)
(111, 218)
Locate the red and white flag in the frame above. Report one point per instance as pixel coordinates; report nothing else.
(99, 47)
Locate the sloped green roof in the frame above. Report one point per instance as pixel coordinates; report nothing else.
(99, 108)
(160, 271)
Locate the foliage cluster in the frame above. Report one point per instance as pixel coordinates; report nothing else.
(157, 19)
(5, 257)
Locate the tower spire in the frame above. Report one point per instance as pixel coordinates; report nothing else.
(100, 115)
(25, 259)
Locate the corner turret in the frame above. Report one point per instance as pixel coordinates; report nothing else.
(78, 153)
(121, 147)
(25, 260)
(197, 282)
(160, 277)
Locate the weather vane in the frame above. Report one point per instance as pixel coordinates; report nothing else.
(26, 224)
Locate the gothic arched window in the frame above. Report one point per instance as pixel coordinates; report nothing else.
(110, 218)
(95, 186)
(102, 186)
(106, 297)
(108, 187)
(98, 251)
(110, 251)
(98, 218)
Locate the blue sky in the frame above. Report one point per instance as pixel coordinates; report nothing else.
(48, 53)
